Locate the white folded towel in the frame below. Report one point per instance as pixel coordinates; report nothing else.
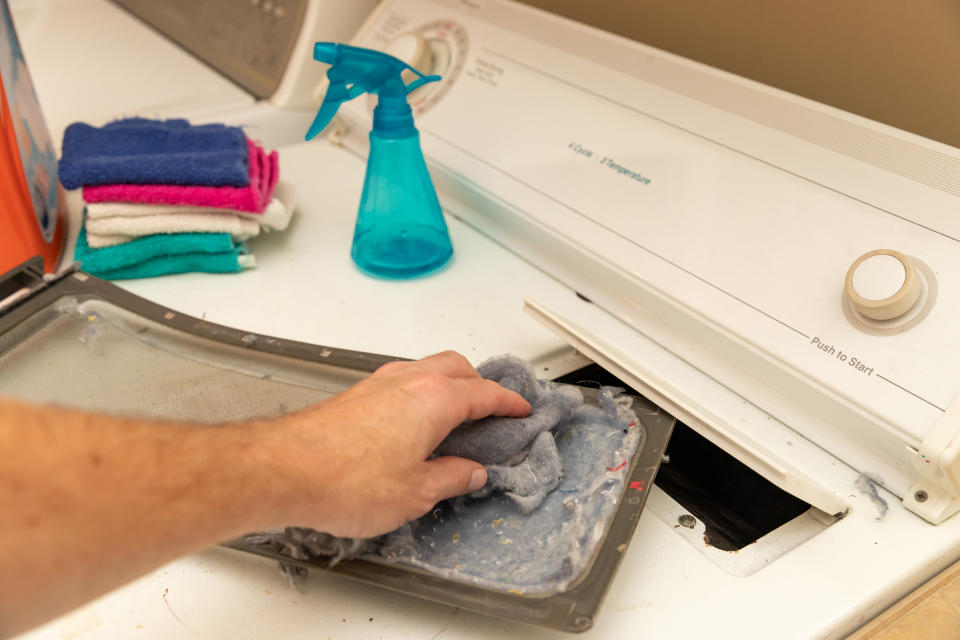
(110, 223)
(104, 232)
(275, 217)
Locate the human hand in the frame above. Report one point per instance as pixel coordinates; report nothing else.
(357, 465)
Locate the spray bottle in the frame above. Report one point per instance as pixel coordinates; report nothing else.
(400, 231)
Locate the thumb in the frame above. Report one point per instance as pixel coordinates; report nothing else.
(450, 476)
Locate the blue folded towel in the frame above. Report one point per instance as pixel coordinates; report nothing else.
(163, 254)
(141, 151)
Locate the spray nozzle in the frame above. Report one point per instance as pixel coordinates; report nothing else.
(355, 71)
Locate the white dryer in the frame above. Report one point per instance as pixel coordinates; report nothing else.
(687, 207)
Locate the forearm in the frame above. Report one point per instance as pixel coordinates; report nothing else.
(89, 503)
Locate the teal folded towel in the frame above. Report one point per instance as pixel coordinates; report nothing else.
(163, 254)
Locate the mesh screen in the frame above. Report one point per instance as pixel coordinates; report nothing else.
(95, 356)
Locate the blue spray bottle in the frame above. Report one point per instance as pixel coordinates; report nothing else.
(400, 230)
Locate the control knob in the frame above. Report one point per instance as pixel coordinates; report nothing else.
(412, 48)
(883, 284)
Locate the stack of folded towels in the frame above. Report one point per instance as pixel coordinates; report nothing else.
(165, 196)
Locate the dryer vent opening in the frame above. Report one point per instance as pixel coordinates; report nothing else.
(737, 505)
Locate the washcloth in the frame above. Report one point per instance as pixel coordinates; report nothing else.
(141, 151)
(106, 232)
(275, 217)
(163, 254)
(264, 172)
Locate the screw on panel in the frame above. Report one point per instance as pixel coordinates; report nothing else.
(920, 496)
(581, 623)
(687, 521)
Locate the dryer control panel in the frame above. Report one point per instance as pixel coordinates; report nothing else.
(803, 257)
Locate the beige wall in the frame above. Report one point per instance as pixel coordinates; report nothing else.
(895, 61)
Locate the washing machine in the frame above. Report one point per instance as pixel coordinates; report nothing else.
(245, 63)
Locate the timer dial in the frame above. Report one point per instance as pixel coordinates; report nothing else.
(439, 47)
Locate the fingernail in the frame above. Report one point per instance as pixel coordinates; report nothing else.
(477, 479)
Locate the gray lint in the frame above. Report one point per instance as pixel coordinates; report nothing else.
(554, 480)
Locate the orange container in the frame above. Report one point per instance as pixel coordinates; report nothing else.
(33, 215)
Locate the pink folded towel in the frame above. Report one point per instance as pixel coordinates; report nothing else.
(264, 171)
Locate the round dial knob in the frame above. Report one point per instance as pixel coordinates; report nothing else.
(435, 48)
(412, 48)
(883, 284)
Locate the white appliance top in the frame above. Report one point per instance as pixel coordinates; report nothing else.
(121, 66)
(717, 216)
(93, 62)
(306, 287)
(823, 588)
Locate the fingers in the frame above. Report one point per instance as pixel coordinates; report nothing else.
(445, 363)
(446, 388)
(449, 363)
(449, 476)
(479, 398)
